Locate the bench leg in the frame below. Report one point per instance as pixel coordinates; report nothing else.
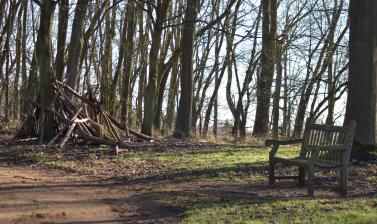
(343, 181)
(271, 173)
(311, 182)
(301, 176)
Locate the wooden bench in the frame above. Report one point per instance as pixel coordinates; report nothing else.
(323, 147)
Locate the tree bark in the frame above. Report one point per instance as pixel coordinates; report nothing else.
(182, 125)
(106, 59)
(46, 126)
(125, 97)
(62, 39)
(23, 106)
(151, 89)
(16, 103)
(276, 100)
(362, 95)
(267, 63)
(76, 43)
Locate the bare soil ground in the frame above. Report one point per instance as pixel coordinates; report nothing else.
(35, 195)
(30, 193)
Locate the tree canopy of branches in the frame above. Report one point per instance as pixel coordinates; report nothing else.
(186, 67)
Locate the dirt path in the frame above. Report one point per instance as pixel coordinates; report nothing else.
(34, 195)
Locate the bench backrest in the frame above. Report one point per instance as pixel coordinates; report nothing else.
(332, 144)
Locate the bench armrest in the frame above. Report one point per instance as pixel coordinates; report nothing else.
(271, 142)
(276, 143)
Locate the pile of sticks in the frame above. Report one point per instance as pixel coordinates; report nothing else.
(79, 117)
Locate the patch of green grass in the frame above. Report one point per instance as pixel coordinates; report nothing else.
(225, 163)
(218, 163)
(206, 158)
(372, 179)
(291, 211)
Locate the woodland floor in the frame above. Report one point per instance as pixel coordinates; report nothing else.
(171, 182)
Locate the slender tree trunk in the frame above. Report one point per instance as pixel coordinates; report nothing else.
(143, 51)
(23, 102)
(160, 99)
(62, 39)
(6, 85)
(76, 43)
(46, 126)
(16, 103)
(182, 125)
(218, 78)
(151, 89)
(32, 83)
(173, 90)
(267, 62)
(276, 100)
(125, 98)
(286, 98)
(331, 94)
(215, 116)
(119, 68)
(106, 60)
(213, 99)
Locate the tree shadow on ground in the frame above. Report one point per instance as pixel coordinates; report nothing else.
(163, 198)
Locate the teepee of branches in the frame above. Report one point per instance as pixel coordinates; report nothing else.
(77, 117)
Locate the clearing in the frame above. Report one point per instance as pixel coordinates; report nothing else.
(171, 182)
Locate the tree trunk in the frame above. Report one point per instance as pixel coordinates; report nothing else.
(173, 89)
(151, 89)
(23, 102)
(213, 99)
(16, 102)
(276, 100)
(331, 94)
(143, 51)
(76, 43)
(125, 97)
(62, 39)
(215, 116)
(106, 60)
(267, 63)
(46, 126)
(286, 119)
(182, 125)
(362, 95)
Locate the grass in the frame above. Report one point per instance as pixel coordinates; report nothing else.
(184, 164)
(195, 166)
(291, 211)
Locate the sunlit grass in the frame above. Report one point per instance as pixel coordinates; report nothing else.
(237, 165)
(221, 162)
(335, 211)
